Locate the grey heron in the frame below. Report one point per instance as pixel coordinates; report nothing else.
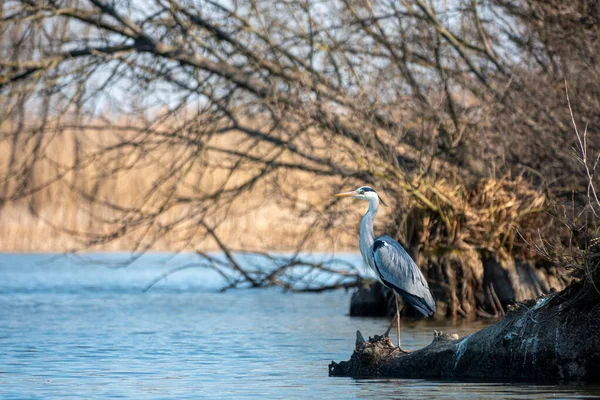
(390, 262)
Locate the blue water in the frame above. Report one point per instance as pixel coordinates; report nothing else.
(76, 329)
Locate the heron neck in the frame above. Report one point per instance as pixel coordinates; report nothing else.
(367, 236)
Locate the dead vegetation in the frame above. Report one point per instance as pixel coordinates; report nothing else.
(53, 216)
(194, 125)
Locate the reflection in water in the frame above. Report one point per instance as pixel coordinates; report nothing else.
(79, 330)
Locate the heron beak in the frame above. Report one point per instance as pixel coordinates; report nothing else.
(347, 194)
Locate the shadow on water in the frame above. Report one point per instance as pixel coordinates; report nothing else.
(73, 330)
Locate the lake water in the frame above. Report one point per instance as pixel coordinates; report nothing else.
(81, 330)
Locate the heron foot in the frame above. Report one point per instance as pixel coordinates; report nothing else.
(399, 350)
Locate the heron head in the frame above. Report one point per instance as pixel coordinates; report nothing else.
(363, 193)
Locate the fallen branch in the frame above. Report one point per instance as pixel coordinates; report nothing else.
(554, 338)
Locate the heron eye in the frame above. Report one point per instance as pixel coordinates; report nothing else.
(361, 192)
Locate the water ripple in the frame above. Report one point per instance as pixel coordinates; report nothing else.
(73, 332)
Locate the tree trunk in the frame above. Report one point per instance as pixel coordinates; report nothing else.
(554, 338)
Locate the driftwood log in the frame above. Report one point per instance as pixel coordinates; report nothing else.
(553, 338)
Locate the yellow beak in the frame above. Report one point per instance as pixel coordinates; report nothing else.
(347, 194)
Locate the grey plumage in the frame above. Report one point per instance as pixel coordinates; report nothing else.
(399, 272)
(388, 259)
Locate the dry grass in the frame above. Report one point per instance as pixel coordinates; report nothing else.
(486, 216)
(258, 220)
(444, 214)
(491, 216)
(269, 228)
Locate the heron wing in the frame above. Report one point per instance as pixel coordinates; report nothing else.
(399, 272)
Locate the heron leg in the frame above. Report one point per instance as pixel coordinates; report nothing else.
(397, 321)
(398, 318)
(387, 333)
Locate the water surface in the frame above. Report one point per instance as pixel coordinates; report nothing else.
(80, 330)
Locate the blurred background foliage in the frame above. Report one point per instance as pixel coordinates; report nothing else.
(204, 125)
